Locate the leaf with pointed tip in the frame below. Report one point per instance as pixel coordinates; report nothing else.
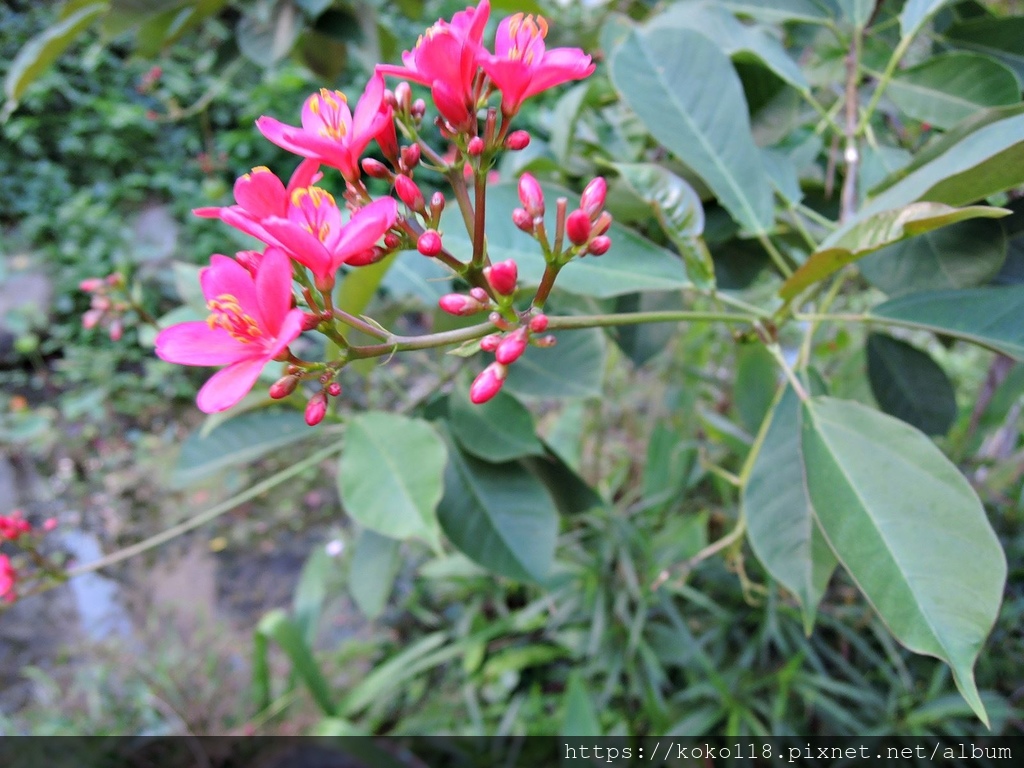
(499, 430)
(573, 368)
(916, 12)
(998, 37)
(868, 235)
(909, 530)
(909, 385)
(990, 317)
(775, 11)
(375, 563)
(702, 120)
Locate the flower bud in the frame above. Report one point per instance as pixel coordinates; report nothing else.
(539, 323)
(403, 96)
(486, 385)
(411, 156)
(599, 245)
(389, 98)
(459, 304)
(283, 387)
(602, 225)
(511, 347)
(490, 343)
(592, 199)
(498, 321)
(476, 146)
(429, 243)
(517, 140)
(375, 168)
(116, 330)
(419, 109)
(91, 284)
(369, 256)
(50, 524)
(577, 226)
(436, 204)
(392, 241)
(316, 409)
(310, 321)
(503, 276)
(545, 341)
(531, 195)
(334, 389)
(479, 294)
(91, 319)
(523, 220)
(409, 192)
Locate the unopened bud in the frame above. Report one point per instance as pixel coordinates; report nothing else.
(602, 225)
(592, 199)
(490, 343)
(419, 109)
(389, 98)
(369, 256)
(316, 409)
(403, 97)
(577, 226)
(479, 294)
(545, 341)
(531, 195)
(517, 140)
(411, 156)
(539, 323)
(49, 524)
(91, 319)
(409, 192)
(599, 245)
(392, 241)
(283, 387)
(459, 304)
(334, 389)
(310, 321)
(116, 330)
(503, 276)
(375, 168)
(511, 347)
(115, 279)
(522, 220)
(429, 243)
(475, 146)
(499, 322)
(486, 385)
(91, 284)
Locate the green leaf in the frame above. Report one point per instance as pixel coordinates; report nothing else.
(996, 37)
(983, 155)
(949, 88)
(311, 591)
(278, 627)
(633, 263)
(958, 256)
(563, 122)
(734, 38)
(43, 49)
(668, 464)
(857, 12)
(679, 211)
(412, 276)
(909, 385)
(756, 383)
(865, 236)
(238, 441)
(916, 13)
(909, 529)
(186, 282)
(702, 120)
(390, 475)
(780, 522)
(990, 317)
(265, 36)
(775, 11)
(359, 286)
(569, 491)
(579, 716)
(573, 368)
(501, 516)
(372, 571)
(499, 430)
(644, 341)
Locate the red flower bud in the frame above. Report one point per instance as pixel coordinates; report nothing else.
(511, 347)
(600, 245)
(459, 304)
(498, 321)
(545, 341)
(490, 343)
(419, 109)
(403, 96)
(531, 195)
(392, 241)
(503, 276)
(375, 168)
(409, 192)
(116, 330)
(539, 323)
(283, 387)
(486, 385)
(476, 146)
(523, 220)
(316, 409)
(577, 226)
(411, 156)
(479, 294)
(310, 321)
(429, 243)
(517, 140)
(602, 225)
(592, 199)
(369, 256)
(49, 524)
(334, 389)
(115, 279)
(91, 284)
(436, 204)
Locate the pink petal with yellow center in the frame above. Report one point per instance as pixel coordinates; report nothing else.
(261, 193)
(305, 175)
(274, 288)
(226, 277)
(291, 328)
(300, 245)
(365, 228)
(226, 387)
(196, 343)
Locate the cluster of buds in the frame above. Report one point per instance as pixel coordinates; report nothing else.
(586, 227)
(17, 530)
(108, 305)
(316, 406)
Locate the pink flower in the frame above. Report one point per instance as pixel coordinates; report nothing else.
(330, 132)
(259, 195)
(8, 579)
(13, 526)
(313, 234)
(521, 67)
(251, 323)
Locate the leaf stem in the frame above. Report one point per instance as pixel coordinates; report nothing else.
(776, 256)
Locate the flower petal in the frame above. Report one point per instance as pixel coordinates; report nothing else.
(365, 228)
(196, 343)
(226, 277)
(289, 331)
(274, 288)
(225, 388)
(300, 245)
(261, 193)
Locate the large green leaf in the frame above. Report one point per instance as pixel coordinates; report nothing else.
(237, 441)
(43, 49)
(958, 256)
(633, 263)
(734, 38)
(948, 88)
(679, 211)
(756, 383)
(500, 515)
(868, 235)
(856, 12)
(390, 475)
(780, 10)
(780, 521)
(573, 368)
(909, 385)
(998, 37)
(286, 633)
(579, 716)
(990, 317)
(916, 12)
(701, 119)
(372, 571)
(499, 430)
(908, 528)
(981, 156)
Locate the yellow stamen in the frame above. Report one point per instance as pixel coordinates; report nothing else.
(226, 313)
